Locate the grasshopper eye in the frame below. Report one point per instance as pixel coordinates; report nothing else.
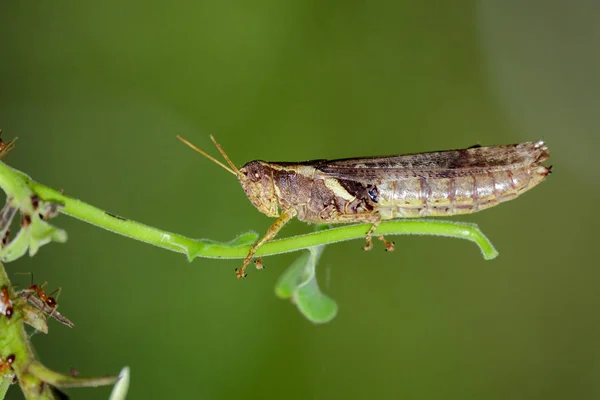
(253, 173)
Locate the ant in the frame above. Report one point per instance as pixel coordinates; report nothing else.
(41, 294)
(6, 147)
(6, 364)
(39, 290)
(6, 307)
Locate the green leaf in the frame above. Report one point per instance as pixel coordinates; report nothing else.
(245, 239)
(5, 382)
(42, 233)
(292, 277)
(202, 245)
(195, 249)
(34, 317)
(315, 305)
(299, 283)
(16, 248)
(32, 237)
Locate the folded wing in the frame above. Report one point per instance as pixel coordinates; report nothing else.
(438, 164)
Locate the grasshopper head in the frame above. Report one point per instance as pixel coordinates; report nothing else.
(257, 180)
(255, 177)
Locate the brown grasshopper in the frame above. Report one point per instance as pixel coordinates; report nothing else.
(373, 189)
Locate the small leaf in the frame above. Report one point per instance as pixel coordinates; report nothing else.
(245, 239)
(5, 382)
(299, 283)
(42, 233)
(193, 251)
(120, 389)
(34, 317)
(315, 305)
(201, 245)
(16, 248)
(32, 237)
(292, 277)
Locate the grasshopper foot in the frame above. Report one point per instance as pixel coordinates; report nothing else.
(369, 245)
(389, 246)
(259, 264)
(240, 273)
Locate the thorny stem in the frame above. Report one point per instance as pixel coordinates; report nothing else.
(209, 249)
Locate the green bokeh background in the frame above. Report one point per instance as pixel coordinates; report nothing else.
(97, 92)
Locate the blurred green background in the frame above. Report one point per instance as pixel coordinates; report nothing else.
(97, 92)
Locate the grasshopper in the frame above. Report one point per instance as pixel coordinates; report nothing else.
(373, 189)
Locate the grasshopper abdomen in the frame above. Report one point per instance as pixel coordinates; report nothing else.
(436, 196)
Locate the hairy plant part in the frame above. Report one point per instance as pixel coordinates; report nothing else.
(374, 189)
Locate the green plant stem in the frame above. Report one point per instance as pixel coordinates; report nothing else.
(14, 340)
(33, 377)
(45, 374)
(209, 249)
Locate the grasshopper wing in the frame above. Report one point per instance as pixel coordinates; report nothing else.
(440, 164)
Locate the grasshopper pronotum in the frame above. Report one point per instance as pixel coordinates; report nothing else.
(373, 189)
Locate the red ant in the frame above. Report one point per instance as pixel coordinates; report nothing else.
(6, 364)
(6, 147)
(39, 290)
(41, 294)
(6, 307)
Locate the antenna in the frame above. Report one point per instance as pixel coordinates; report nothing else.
(233, 170)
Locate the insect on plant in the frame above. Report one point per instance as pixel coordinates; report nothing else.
(5, 148)
(38, 290)
(48, 300)
(6, 307)
(6, 364)
(47, 304)
(41, 294)
(374, 189)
